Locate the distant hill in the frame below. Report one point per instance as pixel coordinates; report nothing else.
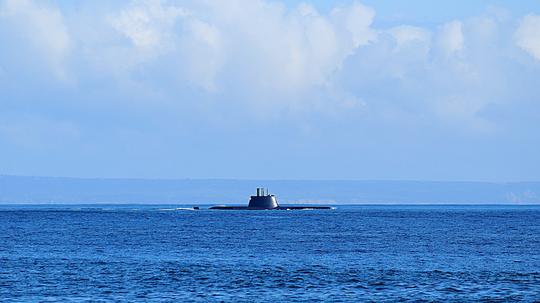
(44, 190)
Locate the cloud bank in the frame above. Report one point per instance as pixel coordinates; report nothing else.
(186, 69)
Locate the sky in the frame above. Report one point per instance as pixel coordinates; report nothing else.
(260, 89)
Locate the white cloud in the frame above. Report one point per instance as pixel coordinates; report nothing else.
(406, 34)
(148, 24)
(306, 10)
(450, 37)
(202, 52)
(264, 46)
(528, 35)
(254, 54)
(293, 52)
(356, 19)
(42, 26)
(455, 81)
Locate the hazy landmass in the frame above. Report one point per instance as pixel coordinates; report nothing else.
(45, 190)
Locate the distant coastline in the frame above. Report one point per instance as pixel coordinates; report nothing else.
(60, 190)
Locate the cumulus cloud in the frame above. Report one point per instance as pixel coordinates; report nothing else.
(409, 34)
(262, 54)
(185, 78)
(148, 24)
(356, 19)
(451, 75)
(249, 50)
(282, 53)
(450, 37)
(528, 35)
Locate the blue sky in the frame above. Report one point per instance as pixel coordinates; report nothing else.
(415, 90)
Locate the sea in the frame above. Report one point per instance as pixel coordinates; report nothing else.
(170, 253)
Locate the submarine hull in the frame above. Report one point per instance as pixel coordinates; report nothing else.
(266, 202)
(274, 208)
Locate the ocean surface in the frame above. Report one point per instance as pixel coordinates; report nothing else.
(350, 254)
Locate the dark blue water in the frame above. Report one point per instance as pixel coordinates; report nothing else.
(349, 254)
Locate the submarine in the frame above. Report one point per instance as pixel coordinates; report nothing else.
(263, 201)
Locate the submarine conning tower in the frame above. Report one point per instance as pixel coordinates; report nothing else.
(263, 201)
